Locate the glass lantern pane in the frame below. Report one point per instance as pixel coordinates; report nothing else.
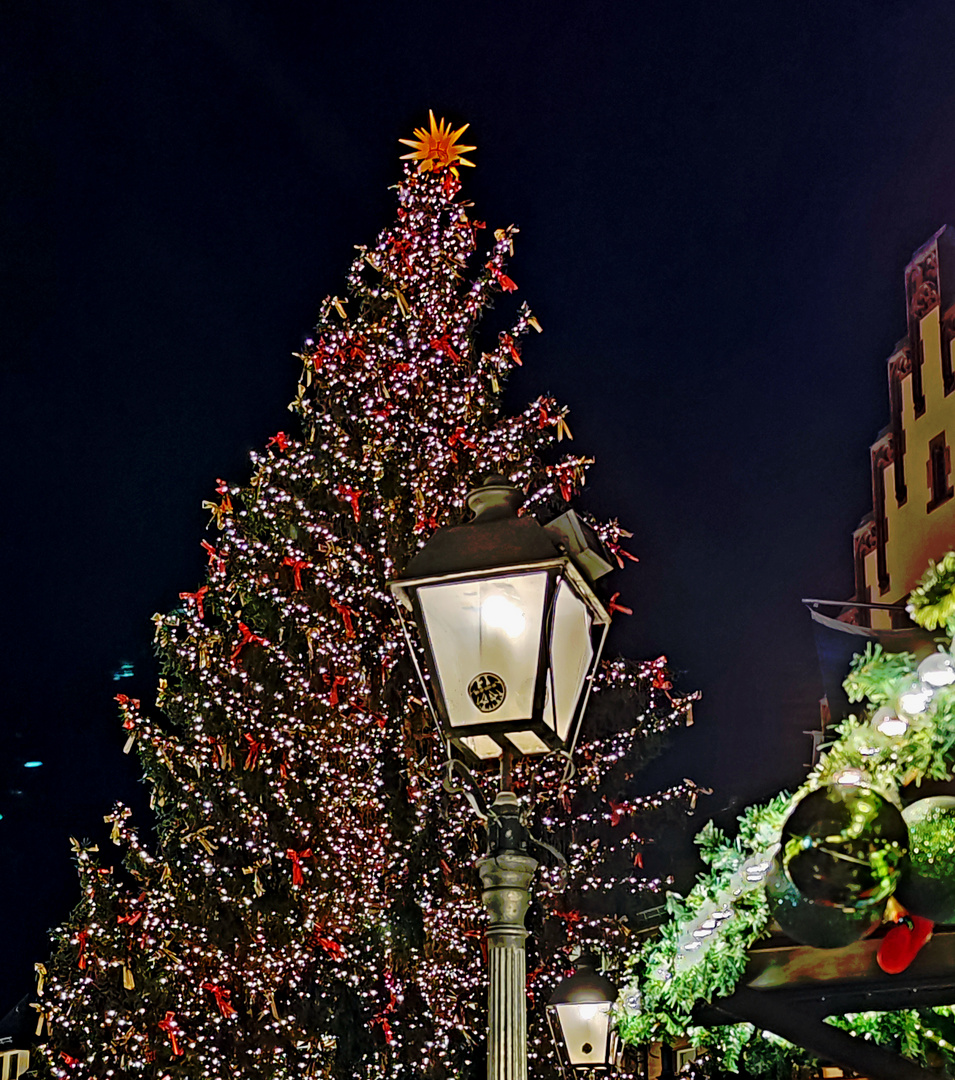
(528, 742)
(482, 746)
(485, 636)
(585, 1027)
(571, 653)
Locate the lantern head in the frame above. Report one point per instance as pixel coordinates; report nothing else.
(580, 1021)
(508, 624)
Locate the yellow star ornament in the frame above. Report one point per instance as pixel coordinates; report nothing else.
(436, 149)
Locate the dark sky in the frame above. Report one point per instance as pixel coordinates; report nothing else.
(716, 202)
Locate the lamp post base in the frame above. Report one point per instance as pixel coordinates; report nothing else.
(506, 880)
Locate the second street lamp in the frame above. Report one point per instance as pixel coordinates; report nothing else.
(580, 1020)
(508, 632)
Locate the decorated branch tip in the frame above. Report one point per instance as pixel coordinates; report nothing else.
(828, 864)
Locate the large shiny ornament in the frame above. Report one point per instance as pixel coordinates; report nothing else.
(927, 887)
(844, 846)
(820, 925)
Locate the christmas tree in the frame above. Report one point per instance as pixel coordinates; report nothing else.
(308, 906)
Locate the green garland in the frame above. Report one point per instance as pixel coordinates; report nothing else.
(932, 602)
(702, 949)
(926, 1036)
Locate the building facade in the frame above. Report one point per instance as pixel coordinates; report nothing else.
(913, 488)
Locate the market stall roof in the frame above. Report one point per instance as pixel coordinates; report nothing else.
(837, 642)
(789, 989)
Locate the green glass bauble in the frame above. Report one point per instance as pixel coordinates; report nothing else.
(927, 887)
(819, 925)
(844, 845)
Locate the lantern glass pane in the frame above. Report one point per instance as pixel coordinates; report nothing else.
(528, 743)
(585, 1027)
(482, 746)
(485, 636)
(572, 651)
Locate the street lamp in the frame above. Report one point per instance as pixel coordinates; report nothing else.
(580, 1023)
(510, 630)
(509, 624)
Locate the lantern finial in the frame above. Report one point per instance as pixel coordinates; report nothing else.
(497, 497)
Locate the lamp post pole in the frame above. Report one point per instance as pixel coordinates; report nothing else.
(510, 629)
(506, 874)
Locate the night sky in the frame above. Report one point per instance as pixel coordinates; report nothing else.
(716, 204)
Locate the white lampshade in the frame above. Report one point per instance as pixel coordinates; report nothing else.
(580, 1019)
(509, 627)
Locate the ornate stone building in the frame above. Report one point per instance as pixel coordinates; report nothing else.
(913, 495)
(913, 490)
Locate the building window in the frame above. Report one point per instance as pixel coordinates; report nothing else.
(939, 468)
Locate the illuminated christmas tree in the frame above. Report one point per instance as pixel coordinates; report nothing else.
(309, 906)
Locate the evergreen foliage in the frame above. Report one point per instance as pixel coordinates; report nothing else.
(904, 733)
(309, 906)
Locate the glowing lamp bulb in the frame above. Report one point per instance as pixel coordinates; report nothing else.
(499, 613)
(889, 723)
(915, 698)
(850, 777)
(937, 670)
(587, 1011)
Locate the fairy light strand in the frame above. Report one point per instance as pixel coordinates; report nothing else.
(308, 907)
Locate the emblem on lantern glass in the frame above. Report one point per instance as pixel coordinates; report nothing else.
(487, 691)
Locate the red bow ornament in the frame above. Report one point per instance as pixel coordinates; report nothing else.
(215, 559)
(460, 437)
(508, 342)
(350, 495)
(247, 638)
(346, 614)
(443, 345)
(198, 597)
(402, 248)
(501, 278)
(171, 1028)
(425, 523)
(613, 606)
(297, 566)
(450, 184)
(222, 996)
(256, 746)
(81, 956)
(296, 857)
(619, 553)
(338, 681)
(334, 950)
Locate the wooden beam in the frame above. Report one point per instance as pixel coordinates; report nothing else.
(784, 967)
(767, 1011)
(830, 982)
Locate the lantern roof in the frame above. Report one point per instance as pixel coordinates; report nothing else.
(497, 537)
(586, 986)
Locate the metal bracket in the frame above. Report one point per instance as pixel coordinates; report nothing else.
(470, 791)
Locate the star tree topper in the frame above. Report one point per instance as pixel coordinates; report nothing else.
(436, 149)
